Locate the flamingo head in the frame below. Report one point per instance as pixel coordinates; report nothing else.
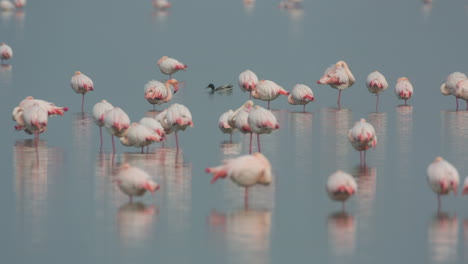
(174, 84)
(249, 104)
(77, 73)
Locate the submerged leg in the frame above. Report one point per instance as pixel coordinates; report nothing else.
(250, 145)
(339, 97)
(82, 103)
(113, 144)
(176, 140)
(100, 134)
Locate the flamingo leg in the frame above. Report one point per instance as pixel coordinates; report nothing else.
(343, 208)
(230, 138)
(339, 97)
(250, 145)
(147, 149)
(142, 150)
(364, 159)
(303, 109)
(177, 140)
(246, 198)
(82, 103)
(250, 96)
(154, 107)
(113, 144)
(130, 200)
(170, 76)
(377, 104)
(466, 105)
(268, 105)
(439, 203)
(457, 103)
(405, 101)
(100, 134)
(258, 143)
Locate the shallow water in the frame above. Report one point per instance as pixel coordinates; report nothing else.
(59, 202)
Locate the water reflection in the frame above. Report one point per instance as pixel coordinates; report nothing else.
(367, 181)
(82, 123)
(5, 74)
(229, 148)
(336, 123)
(246, 232)
(443, 238)
(379, 121)
(35, 169)
(404, 124)
(301, 129)
(5, 17)
(426, 8)
(342, 233)
(249, 6)
(454, 134)
(135, 222)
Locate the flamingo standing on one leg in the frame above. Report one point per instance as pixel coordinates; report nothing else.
(462, 91)
(376, 83)
(159, 93)
(450, 85)
(170, 66)
(267, 91)
(99, 110)
(224, 126)
(35, 120)
(301, 94)
(139, 136)
(239, 120)
(81, 84)
(117, 123)
(442, 178)
(339, 77)
(245, 171)
(341, 186)
(155, 126)
(404, 89)
(261, 121)
(248, 81)
(134, 181)
(176, 117)
(362, 137)
(6, 52)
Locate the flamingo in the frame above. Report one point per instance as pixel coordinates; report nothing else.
(177, 117)
(139, 136)
(51, 108)
(161, 4)
(35, 120)
(248, 81)
(341, 186)
(404, 89)
(261, 121)
(339, 77)
(465, 186)
(6, 5)
(450, 85)
(159, 93)
(362, 137)
(224, 126)
(99, 111)
(170, 66)
(133, 181)
(376, 83)
(301, 94)
(6, 52)
(239, 120)
(20, 3)
(81, 84)
(462, 91)
(154, 125)
(442, 178)
(117, 123)
(267, 91)
(245, 171)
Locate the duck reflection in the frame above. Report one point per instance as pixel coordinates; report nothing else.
(379, 121)
(246, 232)
(135, 222)
(342, 233)
(35, 168)
(336, 123)
(443, 238)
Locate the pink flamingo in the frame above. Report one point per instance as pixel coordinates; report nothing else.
(442, 178)
(6, 52)
(404, 89)
(170, 66)
(261, 121)
(161, 4)
(245, 171)
(99, 110)
(462, 91)
(159, 93)
(20, 3)
(239, 120)
(155, 126)
(248, 81)
(450, 85)
(81, 84)
(341, 186)
(139, 136)
(224, 126)
(133, 181)
(35, 120)
(301, 94)
(362, 137)
(51, 108)
(376, 83)
(176, 117)
(339, 77)
(117, 122)
(267, 91)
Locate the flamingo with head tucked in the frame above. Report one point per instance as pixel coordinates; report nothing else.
(170, 66)
(301, 94)
(99, 110)
(6, 52)
(133, 181)
(362, 137)
(262, 121)
(248, 81)
(35, 120)
(267, 91)
(159, 93)
(376, 83)
(341, 186)
(239, 120)
(81, 84)
(224, 126)
(442, 178)
(139, 136)
(176, 117)
(117, 122)
(449, 87)
(404, 89)
(339, 77)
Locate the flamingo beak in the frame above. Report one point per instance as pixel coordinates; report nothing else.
(176, 87)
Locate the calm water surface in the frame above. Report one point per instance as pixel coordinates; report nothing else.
(59, 203)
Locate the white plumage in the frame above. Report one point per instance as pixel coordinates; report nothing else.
(223, 123)
(99, 111)
(154, 125)
(6, 52)
(267, 91)
(20, 3)
(179, 117)
(6, 5)
(262, 121)
(301, 94)
(376, 82)
(362, 135)
(403, 89)
(51, 108)
(248, 81)
(135, 182)
(159, 93)
(80, 83)
(170, 66)
(442, 177)
(139, 136)
(341, 186)
(116, 121)
(35, 119)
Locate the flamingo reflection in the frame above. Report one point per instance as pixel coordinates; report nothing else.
(335, 124)
(342, 233)
(443, 238)
(135, 222)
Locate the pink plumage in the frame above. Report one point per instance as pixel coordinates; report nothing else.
(81, 84)
(133, 181)
(248, 81)
(442, 177)
(339, 77)
(6, 52)
(341, 186)
(404, 89)
(362, 137)
(267, 91)
(301, 94)
(159, 93)
(139, 136)
(117, 122)
(99, 111)
(170, 66)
